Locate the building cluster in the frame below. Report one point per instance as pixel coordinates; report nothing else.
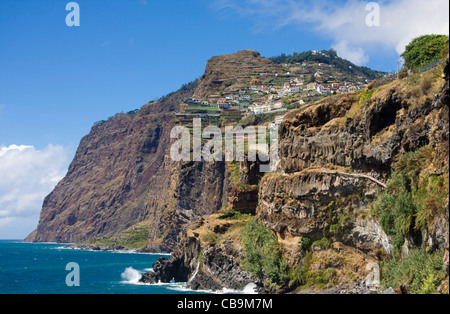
(260, 99)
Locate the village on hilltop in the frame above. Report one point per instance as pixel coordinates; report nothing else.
(273, 94)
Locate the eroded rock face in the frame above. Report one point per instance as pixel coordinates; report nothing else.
(220, 269)
(305, 203)
(343, 135)
(122, 175)
(118, 174)
(202, 267)
(195, 189)
(368, 236)
(369, 139)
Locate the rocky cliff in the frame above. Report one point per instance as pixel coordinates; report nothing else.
(363, 178)
(119, 175)
(122, 178)
(207, 258)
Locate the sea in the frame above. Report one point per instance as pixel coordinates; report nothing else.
(48, 268)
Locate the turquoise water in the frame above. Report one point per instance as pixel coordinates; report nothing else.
(27, 268)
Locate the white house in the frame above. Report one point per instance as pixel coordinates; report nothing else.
(278, 105)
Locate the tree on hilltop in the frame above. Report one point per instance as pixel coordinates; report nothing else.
(423, 50)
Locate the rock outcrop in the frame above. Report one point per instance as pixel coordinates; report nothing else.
(202, 263)
(306, 203)
(231, 72)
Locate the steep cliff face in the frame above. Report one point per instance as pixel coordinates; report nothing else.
(122, 178)
(122, 175)
(195, 189)
(119, 174)
(344, 146)
(347, 131)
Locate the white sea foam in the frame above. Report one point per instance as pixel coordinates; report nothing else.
(250, 289)
(131, 276)
(182, 287)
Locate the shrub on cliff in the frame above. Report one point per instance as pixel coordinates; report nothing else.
(411, 207)
(419, 273)
(423, 50)
(402, 202)
(263, 256)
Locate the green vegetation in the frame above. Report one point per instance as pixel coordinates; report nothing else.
(424, 49)
(328, 57)
(305, 244)
(338, 226)
(263, 256)
(419, 273)
(304, 275)
(211, 238)
(402, 202)
(412, 204)
(424, 84)
(136, 238)
(366, 94)
(133, 238)
(413, 201)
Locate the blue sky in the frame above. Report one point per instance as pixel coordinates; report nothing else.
(56, 81)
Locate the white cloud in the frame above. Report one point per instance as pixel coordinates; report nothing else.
(345, 21)
(356, 55)
(27, 176)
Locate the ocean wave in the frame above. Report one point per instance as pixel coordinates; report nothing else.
(182, 287)
(131, 276)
